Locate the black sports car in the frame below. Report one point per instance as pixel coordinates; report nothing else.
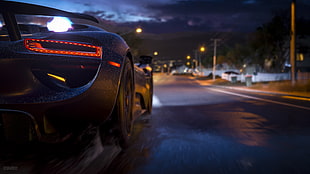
(59, 75)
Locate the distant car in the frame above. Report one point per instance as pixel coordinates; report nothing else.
(231, 76)
(59, 76)
(231, 73)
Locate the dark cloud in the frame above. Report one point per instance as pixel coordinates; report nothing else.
(220, 15)
(194, 15)
(199, 15)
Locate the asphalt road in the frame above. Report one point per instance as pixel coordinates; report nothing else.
(196, 128)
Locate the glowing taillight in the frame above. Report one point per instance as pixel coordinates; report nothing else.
(114, 64)
(57, 77)
(62, 47)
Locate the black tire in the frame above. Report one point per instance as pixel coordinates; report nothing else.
(124, 105)
(150, 97)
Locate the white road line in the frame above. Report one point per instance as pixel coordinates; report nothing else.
(260, 99)
(156, 102)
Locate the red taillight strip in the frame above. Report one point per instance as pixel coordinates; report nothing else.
(34, 45)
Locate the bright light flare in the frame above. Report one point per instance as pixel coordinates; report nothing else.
(202, 49)
(59, 24)
(139, 30)
(148, 68)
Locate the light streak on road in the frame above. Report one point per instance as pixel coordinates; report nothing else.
(296, 98)
(260, 99)
(156, 102)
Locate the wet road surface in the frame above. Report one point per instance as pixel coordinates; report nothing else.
(85, 154)
(194, 128)
(204, 129)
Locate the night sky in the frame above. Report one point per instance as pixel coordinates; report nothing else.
(166, 16)
(175, 28)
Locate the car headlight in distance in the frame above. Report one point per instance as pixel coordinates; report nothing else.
(62, 47)
(148, 68)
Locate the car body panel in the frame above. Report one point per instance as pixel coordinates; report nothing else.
(50, 85)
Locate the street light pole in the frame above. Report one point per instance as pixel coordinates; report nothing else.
(196, 59)
(214, 58)
(202, 49)
(293, 42)
(200, 64)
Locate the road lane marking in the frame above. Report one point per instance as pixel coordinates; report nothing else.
(156, 102)
(261, 99)
(296, 98)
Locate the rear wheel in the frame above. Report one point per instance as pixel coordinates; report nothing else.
(150, 97)
(124, 105)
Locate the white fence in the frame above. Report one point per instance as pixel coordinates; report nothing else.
(303, 75)
(259, 77)
(265, 77)
(209, 71)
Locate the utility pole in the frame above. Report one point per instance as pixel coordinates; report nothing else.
(214, 57)
(202, 49)
(200, 69)
(293, 42)
(196, 58)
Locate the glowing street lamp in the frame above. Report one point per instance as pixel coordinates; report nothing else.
(202, 49)
(155, 53)
(188, 57)
(139, 30)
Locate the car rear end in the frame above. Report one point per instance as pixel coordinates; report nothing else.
(52, 82)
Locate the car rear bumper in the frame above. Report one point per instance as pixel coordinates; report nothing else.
(30, 96)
